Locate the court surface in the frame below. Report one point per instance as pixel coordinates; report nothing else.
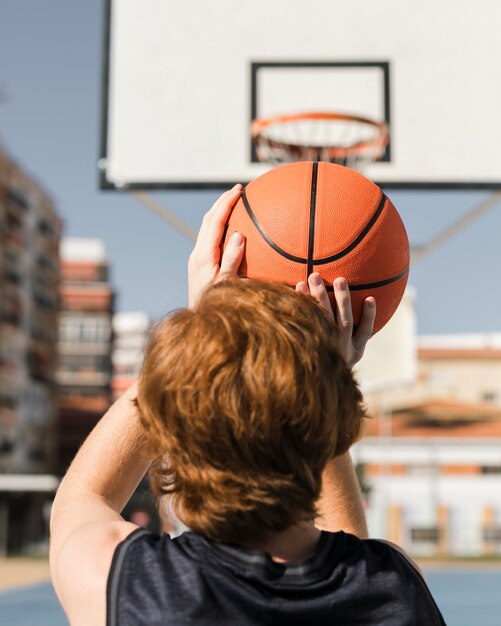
(465, 596)
(34, 605)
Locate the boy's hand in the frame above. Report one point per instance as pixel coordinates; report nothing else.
(203, 266)
(353, 346)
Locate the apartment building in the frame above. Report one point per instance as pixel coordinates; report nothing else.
(30, 231)
(130, 330)
(84, 372)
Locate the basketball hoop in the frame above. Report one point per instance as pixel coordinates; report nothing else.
(319, 136)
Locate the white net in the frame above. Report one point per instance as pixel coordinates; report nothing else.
(332, 137)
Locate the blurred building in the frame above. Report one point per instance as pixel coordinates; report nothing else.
(129, 330)
(29, 272)
(84, 373)
(465, 368)
(431, 453)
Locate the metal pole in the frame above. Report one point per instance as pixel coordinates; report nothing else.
(4, 525)
(145, 199)
(419, 253)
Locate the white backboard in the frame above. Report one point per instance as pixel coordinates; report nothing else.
(182, 81)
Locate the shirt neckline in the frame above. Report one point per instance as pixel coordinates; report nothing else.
(261, 563)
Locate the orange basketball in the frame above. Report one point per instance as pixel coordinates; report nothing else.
(319, 217)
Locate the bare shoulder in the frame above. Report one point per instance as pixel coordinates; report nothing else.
(80, 573)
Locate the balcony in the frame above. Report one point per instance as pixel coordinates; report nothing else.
(82, 377)
(85, 404)
(84, 272)
(86, 298)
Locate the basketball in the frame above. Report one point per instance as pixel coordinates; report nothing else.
(320, 217)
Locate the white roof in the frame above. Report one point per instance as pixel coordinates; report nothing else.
(472, 341)
(28, 482)
(83, 250)
(131, 322)
(434, 450)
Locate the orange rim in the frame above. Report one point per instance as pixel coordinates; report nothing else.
(379, 141)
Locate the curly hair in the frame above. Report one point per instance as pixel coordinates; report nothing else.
(244, 399)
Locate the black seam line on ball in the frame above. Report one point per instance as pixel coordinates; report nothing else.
(380, 283)
(325, 260)
(265, 235)
(313, 204)
(359, 238)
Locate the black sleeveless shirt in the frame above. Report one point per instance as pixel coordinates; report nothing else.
(189, 580)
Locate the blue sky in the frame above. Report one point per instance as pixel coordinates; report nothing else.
(50, 73)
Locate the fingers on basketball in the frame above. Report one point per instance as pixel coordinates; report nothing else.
(213, 224)
(302, 287)
(343, 313)
(319, 292)
(366, 327)
(232, 258)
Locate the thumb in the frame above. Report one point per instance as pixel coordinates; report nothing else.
(233, 255)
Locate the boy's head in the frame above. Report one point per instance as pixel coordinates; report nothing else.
(244, 399)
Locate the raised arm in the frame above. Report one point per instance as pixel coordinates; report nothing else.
(86, 524)
(340, 506)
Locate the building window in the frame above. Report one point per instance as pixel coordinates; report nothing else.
(81, 330)
(491, 469)
(423, 469)
(129, 369)
(489, 397)
(86, 392)
(84, 363)
(492, 534)
(425, 534)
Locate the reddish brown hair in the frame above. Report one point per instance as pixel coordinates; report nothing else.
(244, 400)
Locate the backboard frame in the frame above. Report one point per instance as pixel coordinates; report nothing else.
(255, 66)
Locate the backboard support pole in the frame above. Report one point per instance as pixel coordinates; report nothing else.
(417, 254)
(148, 201)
